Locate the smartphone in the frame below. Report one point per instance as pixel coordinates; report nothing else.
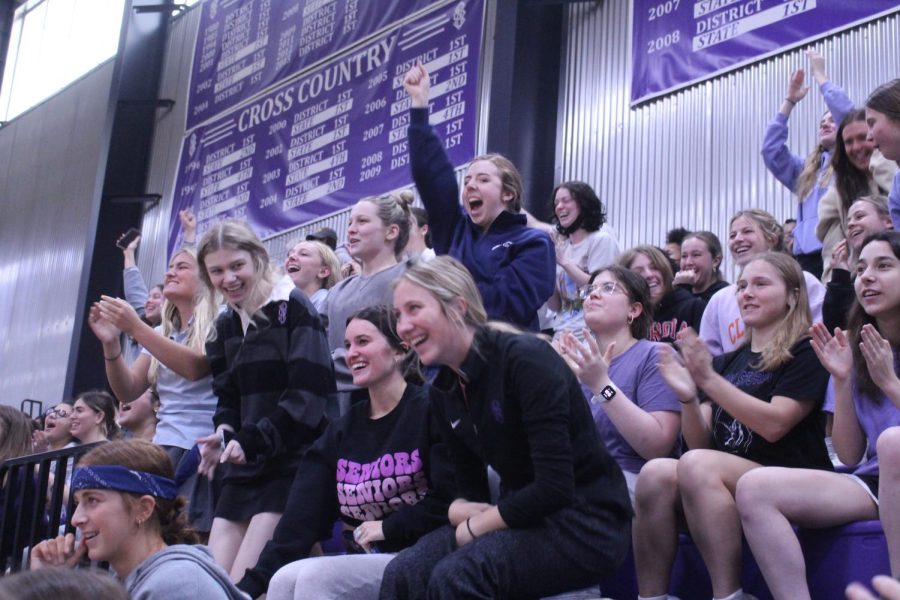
(127, 237)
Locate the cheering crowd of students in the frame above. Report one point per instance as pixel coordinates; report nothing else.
(462, 454)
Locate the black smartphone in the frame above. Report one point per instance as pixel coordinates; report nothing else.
(127, 237)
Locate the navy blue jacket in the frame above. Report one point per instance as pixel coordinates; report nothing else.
(514, 266)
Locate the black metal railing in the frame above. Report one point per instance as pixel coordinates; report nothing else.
(31, 506)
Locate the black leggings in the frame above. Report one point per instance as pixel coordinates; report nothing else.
(571, 549)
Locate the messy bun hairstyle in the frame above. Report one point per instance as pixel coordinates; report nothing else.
(394, 209)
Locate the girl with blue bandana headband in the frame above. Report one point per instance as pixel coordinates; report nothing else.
(129, 514)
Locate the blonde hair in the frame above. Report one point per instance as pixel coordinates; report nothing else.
(232, 234)
(795, 324)
(768, 226)
(198, 328)
(810, 175)
(447, 280)
(329, 260)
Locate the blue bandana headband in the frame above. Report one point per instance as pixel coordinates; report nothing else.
(121, 479)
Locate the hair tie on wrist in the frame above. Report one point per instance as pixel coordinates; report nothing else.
(114, 357)
(791, 101)
(691, 401)
(469, 527)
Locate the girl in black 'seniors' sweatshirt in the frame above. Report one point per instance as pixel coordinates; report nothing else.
(381, 469)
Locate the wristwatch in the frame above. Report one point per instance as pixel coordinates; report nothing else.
(605, 395)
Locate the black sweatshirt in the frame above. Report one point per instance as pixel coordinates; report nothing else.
(394, 469)
(839, 295)
(519, 408)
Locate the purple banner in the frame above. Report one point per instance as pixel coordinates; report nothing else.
(676, 43)
(245, 46)
(316, 145)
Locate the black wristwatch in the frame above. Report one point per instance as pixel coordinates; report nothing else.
(605, 395)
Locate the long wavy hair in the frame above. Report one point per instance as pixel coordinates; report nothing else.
(810, 175)
(198, 327)
(850, 181)
(794, 326)
(591, 213)
(859, 317)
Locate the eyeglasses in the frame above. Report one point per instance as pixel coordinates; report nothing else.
(56, 413)
(607, 288)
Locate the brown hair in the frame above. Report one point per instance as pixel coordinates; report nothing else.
(509, 177)
(101, 402)
(638, 293)
(886, 100)
(713, 245)
(657, 258)
(15, 433)
(169, 517)
(850, 181)
(858, 317)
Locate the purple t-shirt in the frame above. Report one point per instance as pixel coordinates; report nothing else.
(874, 417)
(635, 373)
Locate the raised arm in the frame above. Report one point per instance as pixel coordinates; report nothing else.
(779, 160)
(135, 288)
(432, 171)
(836, 99)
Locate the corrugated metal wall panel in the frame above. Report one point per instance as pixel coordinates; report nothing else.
(49, 161)
(692, 158)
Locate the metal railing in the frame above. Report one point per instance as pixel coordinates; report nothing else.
(31, 505)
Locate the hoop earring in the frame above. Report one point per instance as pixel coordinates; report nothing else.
(630, 319)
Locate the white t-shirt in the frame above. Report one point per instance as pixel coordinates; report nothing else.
(598, 249)
(722, 327)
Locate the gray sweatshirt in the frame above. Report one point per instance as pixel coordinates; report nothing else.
(181, 572)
